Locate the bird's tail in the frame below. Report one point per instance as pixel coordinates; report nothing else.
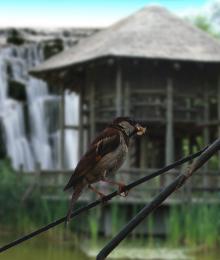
(77, 192)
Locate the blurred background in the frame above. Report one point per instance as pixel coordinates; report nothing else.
(67, 68)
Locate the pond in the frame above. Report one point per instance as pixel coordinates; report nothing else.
(45, 249)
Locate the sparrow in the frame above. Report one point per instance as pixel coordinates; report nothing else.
(103, 158)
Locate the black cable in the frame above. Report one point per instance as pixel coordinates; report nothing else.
(176, 184)
(166, 192)
(97, 202)
(165, 169)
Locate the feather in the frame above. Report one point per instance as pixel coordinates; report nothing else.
(77, 192)
(105, 143)
(105, 155)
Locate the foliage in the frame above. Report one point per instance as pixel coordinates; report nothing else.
(11, 191)
(204, 24)
(174, 225)
(191, 225)
(93, 221)
(115, 216)
(194, 225)
(150, 227)
(23, 215)
(52, 48)
(15, 37)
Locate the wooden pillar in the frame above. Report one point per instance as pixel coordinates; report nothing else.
(118, 84)
(127, 99)
(188, 187)
(81, 134)
(169, 149)
(206, 133)
(144, 151)
(92, 110)
(127, 163)
(62, 128)
(218, 104)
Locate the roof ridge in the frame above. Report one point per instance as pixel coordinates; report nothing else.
(152, 32)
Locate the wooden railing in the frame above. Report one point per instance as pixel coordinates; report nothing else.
(151, 104)
(202, 186)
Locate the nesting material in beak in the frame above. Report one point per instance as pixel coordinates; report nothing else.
(140, 129)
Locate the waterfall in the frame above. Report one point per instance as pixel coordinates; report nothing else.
(71, 136)
(34, 138)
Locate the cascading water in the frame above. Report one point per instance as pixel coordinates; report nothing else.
(71, 136)
(18, 148)
(37, 93)
(40, 143)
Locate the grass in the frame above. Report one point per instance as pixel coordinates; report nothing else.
(174, 226)
(118, 217)
(11, 190)
(23, 217)
(194, 225)
(190, 225)
(93, 221)
(150, 227)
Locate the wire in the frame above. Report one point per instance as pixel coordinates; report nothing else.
(139, 217)
(97, 202)
(166, 192)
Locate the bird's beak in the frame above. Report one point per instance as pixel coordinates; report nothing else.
(140, 129)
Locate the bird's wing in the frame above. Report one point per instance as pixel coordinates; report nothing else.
(105, 143)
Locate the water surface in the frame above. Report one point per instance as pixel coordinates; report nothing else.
(49, 250)
(38, 249)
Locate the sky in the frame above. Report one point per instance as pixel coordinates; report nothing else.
(82, 13)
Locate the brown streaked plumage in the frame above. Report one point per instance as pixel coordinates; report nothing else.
(104, 156)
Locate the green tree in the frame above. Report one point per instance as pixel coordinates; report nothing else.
(204, 24)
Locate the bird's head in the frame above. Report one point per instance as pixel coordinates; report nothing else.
(129, 126)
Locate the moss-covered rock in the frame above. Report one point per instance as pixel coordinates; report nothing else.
(14, 37)
(52, 47)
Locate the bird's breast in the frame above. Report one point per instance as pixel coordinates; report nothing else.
(110, 163)
(114, 160)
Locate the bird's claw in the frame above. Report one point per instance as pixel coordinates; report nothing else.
(122, 191)
(103, 199)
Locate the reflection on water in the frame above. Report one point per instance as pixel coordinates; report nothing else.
(42, 251)
(210, 255)
(38, 249)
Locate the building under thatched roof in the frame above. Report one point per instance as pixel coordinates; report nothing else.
(152, 66)
(152, 33)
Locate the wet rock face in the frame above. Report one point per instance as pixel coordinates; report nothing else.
(53, 47)
(29, 113)
(3, 152)
(14, 37)
(16, 90)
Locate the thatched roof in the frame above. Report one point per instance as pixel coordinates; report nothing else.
(151, 33)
